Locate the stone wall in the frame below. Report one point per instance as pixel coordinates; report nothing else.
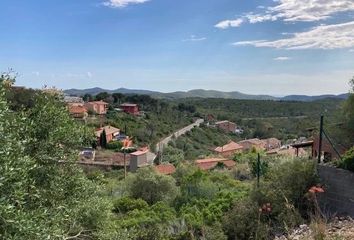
(338, 198)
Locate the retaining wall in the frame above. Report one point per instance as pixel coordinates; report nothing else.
(338, 198)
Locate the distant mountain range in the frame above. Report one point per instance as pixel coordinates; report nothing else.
(201, 93)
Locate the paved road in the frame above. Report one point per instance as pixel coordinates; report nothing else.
(165, 141)
(275, 118)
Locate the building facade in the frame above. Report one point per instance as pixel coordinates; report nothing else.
(130, 108)
(97, 107)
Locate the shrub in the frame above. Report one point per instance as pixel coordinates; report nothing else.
(278, 204)
(114, 145)
(242, 172)
(151, 187)
(347, 161)
(126, 204)
(243, 222)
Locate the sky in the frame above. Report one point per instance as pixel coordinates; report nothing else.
(276, 47)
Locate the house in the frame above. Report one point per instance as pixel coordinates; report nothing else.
(77, 111)
(271, 143)
(73, 100)
(249, 144)
(139, 159)
(229, 149)
(97, 107)
(328, 152)
(130, 108)
(211, 163)
(111, 133)
(165, 169)
(289, 152)
(226, 126)
(209, 118)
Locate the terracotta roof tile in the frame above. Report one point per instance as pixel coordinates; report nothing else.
(109, 130)
(77, 109)
(165, 169)
(210, 163)
(231, 146)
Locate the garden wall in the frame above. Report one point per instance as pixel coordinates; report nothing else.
(338, 198)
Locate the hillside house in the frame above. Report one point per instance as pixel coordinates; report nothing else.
(165, 169)
(140, 158)
(111, 133)
(255, 143)
(77, 111)
(328, 152)
(289, 152)
(130, 108)
(271, 143)
(211, 163)
(226, 126)
(97, 107)
(229, 149)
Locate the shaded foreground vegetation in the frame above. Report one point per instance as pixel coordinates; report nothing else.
(44, 195)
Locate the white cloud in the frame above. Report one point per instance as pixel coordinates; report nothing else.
(281, 58)
(36, 73)
(255, 18)
(229, 23)
(193, 38)
(122, 3)
(320, 37)
(351, 50)
(89, 74)
(309, 10)
(293, 10)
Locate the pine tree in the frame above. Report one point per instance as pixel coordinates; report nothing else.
(103, 139)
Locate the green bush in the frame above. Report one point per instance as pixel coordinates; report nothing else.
(126, 204)
(114, 145)
(283, 193)
(242, 172)
(244, 222)
(347, 161)
(151, 187)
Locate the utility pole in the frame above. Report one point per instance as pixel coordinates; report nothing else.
(258, 168)
(125, 164)
(320, 141)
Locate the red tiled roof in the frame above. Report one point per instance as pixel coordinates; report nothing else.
(231, 146)
(77, 109)
(165, 169)
(108, 129)
(140, 152)
(210, 163)
(207, 165)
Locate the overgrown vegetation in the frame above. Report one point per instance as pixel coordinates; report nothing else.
(45, 195)
(281, 119)
(198, 143)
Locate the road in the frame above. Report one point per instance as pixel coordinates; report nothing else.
(275, 118)
(165, 141)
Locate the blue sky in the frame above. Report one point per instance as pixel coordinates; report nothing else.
(262, 47)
